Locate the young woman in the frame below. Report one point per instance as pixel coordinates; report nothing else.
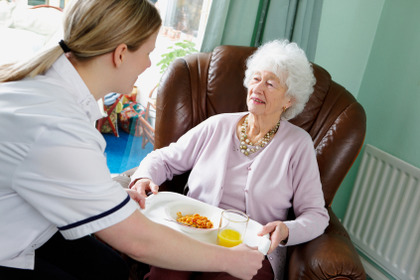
(55, 187)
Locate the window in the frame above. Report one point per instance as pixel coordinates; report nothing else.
(56, 3)
(181, 20)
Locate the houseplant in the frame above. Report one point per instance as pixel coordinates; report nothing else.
(179, 49)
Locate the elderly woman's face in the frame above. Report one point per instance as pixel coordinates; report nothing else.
(266, 95)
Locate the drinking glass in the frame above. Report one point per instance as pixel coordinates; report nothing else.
(232, 228)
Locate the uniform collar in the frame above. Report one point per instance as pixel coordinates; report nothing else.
(65, 71)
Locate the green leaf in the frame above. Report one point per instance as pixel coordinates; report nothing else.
(179, 49)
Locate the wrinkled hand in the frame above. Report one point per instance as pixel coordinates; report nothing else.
(142, 187)
(278, 232)
(247, 263)
(141, 200)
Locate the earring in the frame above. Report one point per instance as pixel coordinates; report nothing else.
(284, 109)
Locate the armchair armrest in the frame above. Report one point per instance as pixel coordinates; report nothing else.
(177, 184)
(329, 256)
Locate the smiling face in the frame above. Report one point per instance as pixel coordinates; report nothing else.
(267, 95)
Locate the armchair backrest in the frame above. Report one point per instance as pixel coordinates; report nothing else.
(204, 84)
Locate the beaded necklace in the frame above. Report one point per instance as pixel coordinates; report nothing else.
(246, 146)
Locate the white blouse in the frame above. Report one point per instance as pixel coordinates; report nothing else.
(53, 172)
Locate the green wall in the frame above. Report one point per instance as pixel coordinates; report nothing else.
(345, 39)
(390, 90)
(372, 48)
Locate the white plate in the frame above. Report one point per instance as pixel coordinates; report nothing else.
(190, 207)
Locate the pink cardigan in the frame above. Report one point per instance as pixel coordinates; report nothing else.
(284, 174)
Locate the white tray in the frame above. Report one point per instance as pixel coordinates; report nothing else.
(155, 211)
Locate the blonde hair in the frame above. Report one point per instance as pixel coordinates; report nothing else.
(93, 28)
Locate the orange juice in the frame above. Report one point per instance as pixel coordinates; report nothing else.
(229, 238)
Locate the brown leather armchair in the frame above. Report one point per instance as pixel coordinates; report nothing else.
(205, 84)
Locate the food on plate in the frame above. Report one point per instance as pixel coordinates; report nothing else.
(194, 220)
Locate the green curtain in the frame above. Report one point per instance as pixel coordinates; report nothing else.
(306, 26)
(215, 25)
(251, 23)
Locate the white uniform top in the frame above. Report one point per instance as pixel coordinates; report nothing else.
(53, 172)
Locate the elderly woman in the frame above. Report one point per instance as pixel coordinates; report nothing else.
(254, 161)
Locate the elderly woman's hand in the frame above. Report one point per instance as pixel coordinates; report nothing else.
(279, 233)
(142, 187)
(134, 195)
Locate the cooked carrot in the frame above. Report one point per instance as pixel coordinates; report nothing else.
(194, 220)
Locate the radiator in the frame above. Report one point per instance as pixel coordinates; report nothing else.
(383, 213)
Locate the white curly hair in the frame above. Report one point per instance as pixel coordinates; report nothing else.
(290, 64)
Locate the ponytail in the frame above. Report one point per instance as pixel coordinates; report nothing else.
(30, 68)
(92, 28)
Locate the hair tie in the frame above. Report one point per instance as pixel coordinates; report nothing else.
(65, 48)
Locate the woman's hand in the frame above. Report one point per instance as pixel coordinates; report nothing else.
(141, 200)
(247, 263)
(142, 187)
(278, 231)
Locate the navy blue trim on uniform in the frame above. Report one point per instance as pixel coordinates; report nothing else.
(90, 219)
